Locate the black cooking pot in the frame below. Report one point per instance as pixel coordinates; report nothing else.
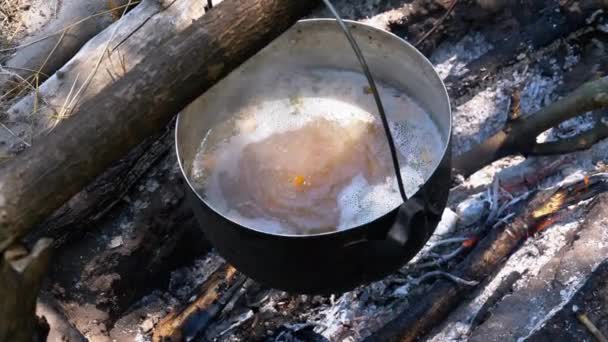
(341, 260)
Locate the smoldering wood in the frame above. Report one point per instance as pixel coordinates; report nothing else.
(444, 295)
(191, 320)
(21, 275)
(41, 179)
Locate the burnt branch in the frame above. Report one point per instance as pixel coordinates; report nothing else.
(212, 296)
(519, 135)
(579, 142)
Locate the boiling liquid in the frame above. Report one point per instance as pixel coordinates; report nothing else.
(316, 160)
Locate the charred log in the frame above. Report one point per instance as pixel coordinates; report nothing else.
(190, 321)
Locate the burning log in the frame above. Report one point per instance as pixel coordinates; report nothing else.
(37, 182)
(519, 135)
(444, 295)
(211, 297)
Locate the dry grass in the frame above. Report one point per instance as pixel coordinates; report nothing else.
(10, 21)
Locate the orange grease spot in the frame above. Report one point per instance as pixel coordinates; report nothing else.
(298, 181)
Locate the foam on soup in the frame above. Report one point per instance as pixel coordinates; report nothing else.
(314, 160)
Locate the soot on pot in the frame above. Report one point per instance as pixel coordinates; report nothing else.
(316, 160)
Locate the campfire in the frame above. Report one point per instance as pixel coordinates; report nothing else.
(100, 243)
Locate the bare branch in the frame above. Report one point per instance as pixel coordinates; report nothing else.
(579, 142)
(519, 136)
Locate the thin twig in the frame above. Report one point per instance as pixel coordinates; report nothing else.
(503, 220)
(23, 69)
(442, 258)
(448, 241)
(584, 319)
(437, 23)
(493, 198)
(405, 289)
(64, 108)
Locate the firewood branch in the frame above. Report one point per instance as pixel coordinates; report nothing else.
(519, 136)
(578, 142)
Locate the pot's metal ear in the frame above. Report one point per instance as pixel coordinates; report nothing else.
(409, 212)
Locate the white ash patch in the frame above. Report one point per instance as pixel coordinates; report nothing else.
(184, 280)
(478, 118)
(528, 260)
(537, 90)
(485, 113)
(451, 59)
(152, 185)
(115, 242)
(471, 210)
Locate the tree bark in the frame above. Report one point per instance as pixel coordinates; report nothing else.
(144, 100)
(138, 34)
(49, 49)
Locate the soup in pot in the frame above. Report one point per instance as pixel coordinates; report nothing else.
(316, 160)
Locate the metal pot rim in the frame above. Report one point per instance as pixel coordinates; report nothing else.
(358, 227)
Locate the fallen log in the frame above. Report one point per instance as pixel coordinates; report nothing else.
(51, 47)
(444, 295)
(21, 275)
(40, 180)
(100, 62)
(191, 320)
(519, 135)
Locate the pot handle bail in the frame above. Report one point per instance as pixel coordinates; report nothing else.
(374, 89)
